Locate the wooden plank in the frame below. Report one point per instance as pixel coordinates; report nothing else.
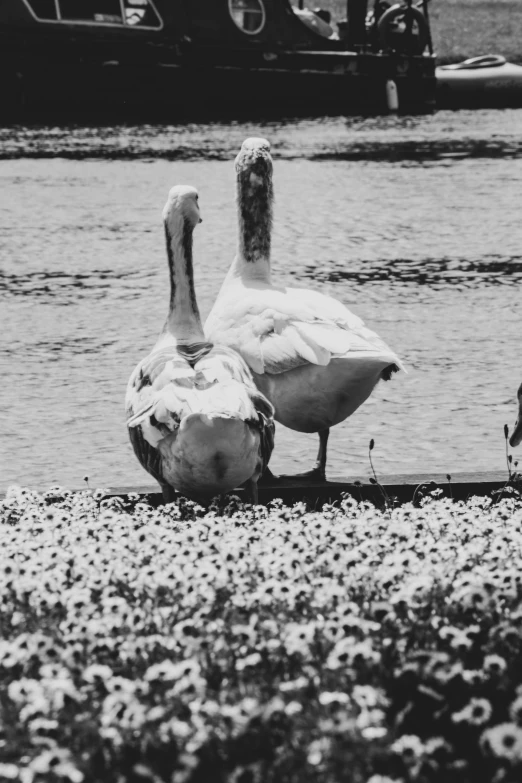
(401, 487)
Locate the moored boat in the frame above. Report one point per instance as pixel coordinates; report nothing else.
(209, 56)
(488, 80)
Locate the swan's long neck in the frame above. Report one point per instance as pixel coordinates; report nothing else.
(183, 320)
(254, 205)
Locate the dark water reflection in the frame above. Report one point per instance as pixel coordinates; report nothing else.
(439, 136)
(434, 272)
(428, 253)
(62, 288)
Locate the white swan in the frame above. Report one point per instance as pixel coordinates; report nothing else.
(314, 360)
(196, 420)
(516, 435)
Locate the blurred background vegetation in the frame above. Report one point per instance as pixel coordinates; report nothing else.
(463, 28)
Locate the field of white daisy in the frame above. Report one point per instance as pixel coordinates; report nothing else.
(235, 645)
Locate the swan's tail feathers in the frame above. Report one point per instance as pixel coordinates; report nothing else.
(516, 435)
(389, 371)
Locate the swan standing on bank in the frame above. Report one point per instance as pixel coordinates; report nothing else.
(314, 360)
(196, 420)
(516, 435)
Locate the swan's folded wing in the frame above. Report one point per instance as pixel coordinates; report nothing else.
(291, 347)
(148, 456)
(325, 307)
(145, 432)
(299, 328)
(156, 396)
(357, 342)
(268, 337)
(352, 335)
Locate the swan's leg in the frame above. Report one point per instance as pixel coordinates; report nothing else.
(321, 454)
(251, 493)
(169, 493)
(319, 472)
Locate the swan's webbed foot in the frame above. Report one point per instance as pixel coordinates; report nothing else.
(251, 494)
(319, 472)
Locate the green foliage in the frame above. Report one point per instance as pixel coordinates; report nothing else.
(259, 645)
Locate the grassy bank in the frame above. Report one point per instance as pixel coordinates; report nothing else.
(464, 28)
(175, 645)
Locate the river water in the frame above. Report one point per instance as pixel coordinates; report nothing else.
(413, 222)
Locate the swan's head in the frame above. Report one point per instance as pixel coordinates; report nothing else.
(516, 435)
(182, 208)
(255, 198)
(254, 163)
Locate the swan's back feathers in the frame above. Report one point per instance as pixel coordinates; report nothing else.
(177, 381)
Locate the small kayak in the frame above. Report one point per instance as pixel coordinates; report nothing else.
(487, 80)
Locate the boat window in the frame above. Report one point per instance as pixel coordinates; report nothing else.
(105, 11)
(139, 13)
(248, 15)
(44, 9)
(131, 13)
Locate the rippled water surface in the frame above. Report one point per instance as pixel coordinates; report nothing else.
(414, 223)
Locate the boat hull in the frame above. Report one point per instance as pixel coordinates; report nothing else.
(185, 88)
(189, 60)
(496, 86)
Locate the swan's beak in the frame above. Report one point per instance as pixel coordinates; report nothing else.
(200, 220)
(516, 435)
